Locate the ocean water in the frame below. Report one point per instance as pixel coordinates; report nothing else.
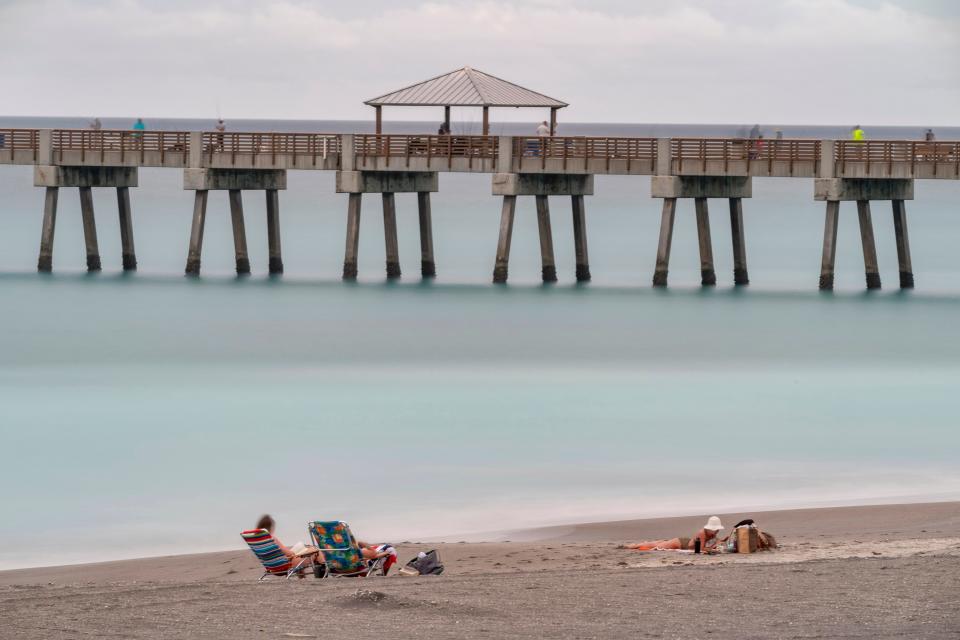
(149, 413)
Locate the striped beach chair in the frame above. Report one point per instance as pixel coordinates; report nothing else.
(274, 562)
(341, 552)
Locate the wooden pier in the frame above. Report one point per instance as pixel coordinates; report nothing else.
(386, 164)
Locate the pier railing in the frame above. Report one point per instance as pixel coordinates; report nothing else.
(19, 143)
(757, 156)
(577, 152)
(293, 149)
(408, 151)
(122, 146)
(798, 157)
(897, 158)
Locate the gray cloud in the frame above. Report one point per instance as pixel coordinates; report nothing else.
(812, 61)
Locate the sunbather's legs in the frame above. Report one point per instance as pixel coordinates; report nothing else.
(650, 545)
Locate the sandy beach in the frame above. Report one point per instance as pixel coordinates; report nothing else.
(855, 572)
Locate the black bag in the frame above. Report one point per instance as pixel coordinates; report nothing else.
(428, 565)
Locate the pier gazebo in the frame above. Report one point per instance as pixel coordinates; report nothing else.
(466, 87)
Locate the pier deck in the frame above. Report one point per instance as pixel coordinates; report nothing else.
(787, 158)
(385, 164)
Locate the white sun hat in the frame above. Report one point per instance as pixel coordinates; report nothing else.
(713, 524)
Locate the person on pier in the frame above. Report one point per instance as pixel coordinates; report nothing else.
(707, 536)
(220, 127)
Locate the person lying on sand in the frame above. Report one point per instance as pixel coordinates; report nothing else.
(707, 536)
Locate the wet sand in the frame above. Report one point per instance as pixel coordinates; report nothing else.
(887, 571)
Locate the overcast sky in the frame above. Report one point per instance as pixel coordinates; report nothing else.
(724, 61)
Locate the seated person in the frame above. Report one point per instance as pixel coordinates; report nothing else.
(707, 536)
(371, 552)
(308, 552)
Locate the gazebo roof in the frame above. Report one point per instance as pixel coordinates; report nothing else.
(465, 87)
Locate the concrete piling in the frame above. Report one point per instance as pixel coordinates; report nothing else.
(390, 235)
(45, 261)
(507, 214)
(128, 253)
(273, 232)
(903, 244)
(708, 275)
(89, 229)
(239, 232)
(353, 236)
(196, 232)
(828, 262)
(548, 262)
(667, 219)
(580, 238)
(870, 262)
(740, 276)
(428, 267)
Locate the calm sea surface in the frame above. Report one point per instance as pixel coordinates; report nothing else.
(147, 414)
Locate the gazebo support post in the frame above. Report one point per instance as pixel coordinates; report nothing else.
(446, 119)
(379, 111)
(553, 121)
(486, 121)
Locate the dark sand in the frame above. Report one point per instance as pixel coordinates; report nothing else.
(854, 572)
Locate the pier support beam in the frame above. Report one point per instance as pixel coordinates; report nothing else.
(740, 276)
(580, 238)
(547, 260)
(829, 259)
(390, 236)
(428, 267)
(700, 188)
(52, 177)
(502, 263)
(389, 183)
(89, 229)
(128, 253)
(275, 264)
(45, 262)
(708, 275)
(196, 232)
(239, 232)
(541, 186)
(903, 244)
(666, 240)
(862, 191)
(870, 265)
(353, 237)
(235, 182)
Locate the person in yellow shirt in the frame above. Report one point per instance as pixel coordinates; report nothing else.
(858, 133)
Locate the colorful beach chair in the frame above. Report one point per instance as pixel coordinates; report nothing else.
(341, 552)
(274, 562)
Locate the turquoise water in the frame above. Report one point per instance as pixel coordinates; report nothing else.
(148, 413)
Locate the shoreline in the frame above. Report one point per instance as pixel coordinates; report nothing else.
(561, 582)
(829, 524)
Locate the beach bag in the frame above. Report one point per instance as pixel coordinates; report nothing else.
(765, 541)
(427, 563)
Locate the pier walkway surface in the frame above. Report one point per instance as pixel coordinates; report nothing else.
(680, 168)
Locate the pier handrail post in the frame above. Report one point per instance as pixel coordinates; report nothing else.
(505, 154)
(347, 153)
(195, 156)
(664, 160)
(45, 147)
(827, 167)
